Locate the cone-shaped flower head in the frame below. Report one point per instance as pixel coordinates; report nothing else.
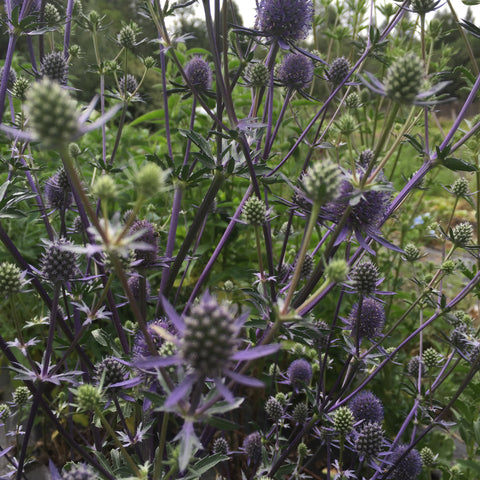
(149, 237)
(199, 73)
(252, 446)
(110, 371)
(404, 78)
(287, 20)
(128, 84)
(460, 187)
(57, 191)
(54, 66)
(338, 70)
(462, 234)
(254, 211)
(296, 71)
(59, 263)
(127, 36)
(409, 467)
(322, 181)
(367, 407)
(53, 114)
(369, 440)
(364, 278)
(371, 321)
(11, 279)
(299, 372)
(220, 445)
(343, 420)
(427, 456)
(257, 74)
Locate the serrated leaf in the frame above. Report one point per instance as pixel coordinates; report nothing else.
(155, 115)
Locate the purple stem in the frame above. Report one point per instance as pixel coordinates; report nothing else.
(165, 99)
(6, 70)
(68, 28)
(218, 249)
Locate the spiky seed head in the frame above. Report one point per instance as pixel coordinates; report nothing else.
(5, 412)
(127, 37)
(21, 395)
(149, 180)
(299, 373)
(366, 407)
(105, 188)
(336, 271)
(427, 456)
(77, 8)
(59, 263)
(252, 446)
(364, 278)
(343, 421)
(57, 191)
(199, 74)
(369, 322)
(254, 211)
(412, 253)
(12, 77)
(11, 279)
(352, 102)
(448, 266)
(462, 234)
(322, 181)
(338, 70)
(51, 15)
(128, 85)
(148, 236)
(20, 87)
(274, 409)
(257, 74)
(415, 365)
(89, 397)
(307, 266)
(302, 450)
(366, 157)
(210, 336)
(79, 471)
(404, 78)
(431, 358)
(53, 114)
(300, 413)
(409, 467)
(369, 440)
(460, 187)
(284, 271)
(424, 6)
(296, 71)
(220, 446)
(285, 19)
(346, 124)
(149, 62)
(108, 372)
(54, 66)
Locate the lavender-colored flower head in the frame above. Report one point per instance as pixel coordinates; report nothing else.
(57, 191)
(299, 373)
(371, 321)
(149, 237)
(296, 71)
(409, 467)
(369, 440)
(140, 347)
(365, 217)
(367, 407)
(252, 446)
(286, 20)
(59, 263)
(199, 73)
(109, 372)
(79, 471)
(134, 285)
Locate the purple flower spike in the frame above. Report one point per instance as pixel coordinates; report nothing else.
(409, 467)
(199, 73)
(367, 407)
(286, 20)
(296, 71)
(299, 373)
(372, 318)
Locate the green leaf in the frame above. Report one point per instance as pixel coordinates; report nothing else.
(199, 141)
(456, 165)
(472, 464)
(153, 116)
(100, 337)
(206, 464)
(223, 407)
(3, 189)
(471, 3)
(222, 424)
(476, 431)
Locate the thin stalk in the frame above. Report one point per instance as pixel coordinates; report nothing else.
(157, 471)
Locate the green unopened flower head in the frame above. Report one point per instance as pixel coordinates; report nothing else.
(149, 180)
(462, 234)
(21, 395)
(51, 15)
(427, 456)
(412, 253)
(282, 399)
(343, 421)
(105, 188)
(5, 412)
(53, 114)
(346, 124)
(352, 102)
(302, 450)
(404, 78)
(448, 266)
(254, 211)
(322, 181)
(89, 397)
(257, 74)
(11, 279)
(460, 187)
(274, 409)
(75, 50)
(336, 271)
(149, 62)
(20, 87)
(424, 6)
(364, 278)
(431, 358)
(369, 440)
(127, 36)
(74, 150)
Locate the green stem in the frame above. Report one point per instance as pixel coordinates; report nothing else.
(157, 471)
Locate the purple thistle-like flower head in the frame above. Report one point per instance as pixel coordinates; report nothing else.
(252, 446)
(366, 215)
(299, 373)
(140, 347)
(409, 467)
(372, 318)
(150, 237)
(57, 191)
(296, 71)
(199, 73)
(367, 407)
(286, 20)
